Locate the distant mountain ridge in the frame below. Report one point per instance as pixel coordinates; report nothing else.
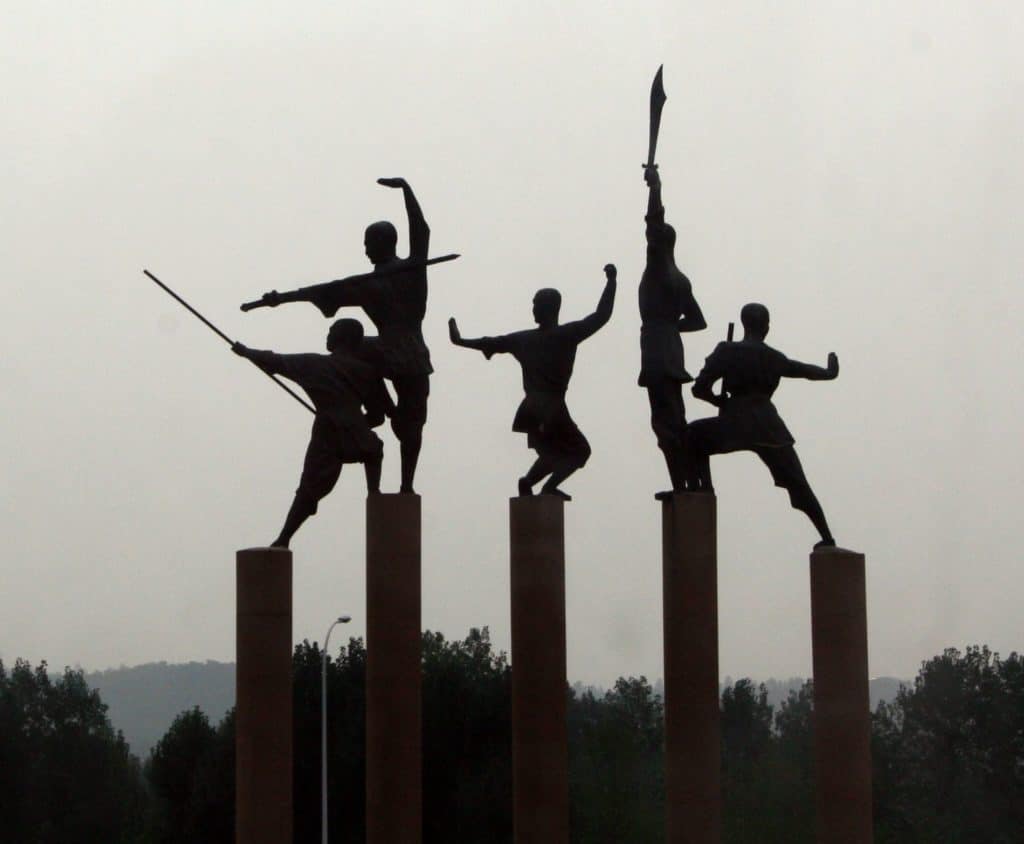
(143, 700)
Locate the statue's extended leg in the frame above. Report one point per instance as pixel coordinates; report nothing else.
(320, 471)
(302, 508)
(788, 473)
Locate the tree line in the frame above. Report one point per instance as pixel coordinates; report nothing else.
(948, 757)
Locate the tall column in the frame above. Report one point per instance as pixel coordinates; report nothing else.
(842, 706)
(394, 767)
(693, 792)
(540, 743)
(263, 696)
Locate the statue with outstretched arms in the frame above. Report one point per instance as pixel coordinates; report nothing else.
(394, 297)
(750, 371)
(547, 355)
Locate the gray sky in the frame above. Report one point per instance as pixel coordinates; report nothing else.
(855, 167)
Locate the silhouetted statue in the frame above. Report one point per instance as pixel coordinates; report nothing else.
(341, 386)
(667, 308)
(394, 297)
(750, 371)
(547, 354)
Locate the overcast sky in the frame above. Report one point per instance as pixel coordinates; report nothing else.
(856, 167)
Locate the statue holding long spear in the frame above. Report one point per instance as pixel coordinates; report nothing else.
(349, 400)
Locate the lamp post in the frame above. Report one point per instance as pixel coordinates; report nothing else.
(341, 619)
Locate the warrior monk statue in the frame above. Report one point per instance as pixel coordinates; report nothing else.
(750, 371)
(394, 297)
(341, 386)
(547, 354)
(667, 308)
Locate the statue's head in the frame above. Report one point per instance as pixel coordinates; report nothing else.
(380, 240)
(546, 304)
(663, 238)
(345, 335)
(755, 320)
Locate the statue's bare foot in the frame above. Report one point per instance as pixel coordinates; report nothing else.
(525, 487)
(555, 491)
(406, 489)
(826, 543)
(664, 495)
(280, 542)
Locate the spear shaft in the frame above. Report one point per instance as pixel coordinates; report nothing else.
(226, 339)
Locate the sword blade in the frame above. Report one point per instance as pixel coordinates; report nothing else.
(657, 103)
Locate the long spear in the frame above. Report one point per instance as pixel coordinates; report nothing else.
(228, 340)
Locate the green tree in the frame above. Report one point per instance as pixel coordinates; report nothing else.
(65, 775)
(616, 769)
(949, 753)
(191, 773)
(746, 747)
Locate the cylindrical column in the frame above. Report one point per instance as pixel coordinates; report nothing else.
(540, 744)
(393, 657)
(263, 696)
(842, 707)
(693, 791)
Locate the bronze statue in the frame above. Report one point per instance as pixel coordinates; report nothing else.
(342, 387)
(667, 308)
(547, 354)
(750, 371)
(394, 297)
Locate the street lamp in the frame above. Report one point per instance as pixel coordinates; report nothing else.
(341, 619)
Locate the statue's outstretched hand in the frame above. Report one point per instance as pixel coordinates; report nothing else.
(651, 176)
(239, 349)
(610, 272)
(833, 365)
(393, 182)
(453, 331)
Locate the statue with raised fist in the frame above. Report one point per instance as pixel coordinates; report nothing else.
(750, 371)
(547, 354)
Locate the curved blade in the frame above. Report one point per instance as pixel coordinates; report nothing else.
(657, 103)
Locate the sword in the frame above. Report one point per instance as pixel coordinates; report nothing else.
(657, 103)
(401, 266)
(227, 339)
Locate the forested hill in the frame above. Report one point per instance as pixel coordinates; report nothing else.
(143, 700)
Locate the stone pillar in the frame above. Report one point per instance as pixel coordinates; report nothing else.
(693, 790)
(394, 766)
(263, 696)
(540, 744)
(842, 706)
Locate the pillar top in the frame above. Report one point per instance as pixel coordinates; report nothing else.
(834, 551)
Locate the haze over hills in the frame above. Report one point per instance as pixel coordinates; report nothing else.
(143, 700)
